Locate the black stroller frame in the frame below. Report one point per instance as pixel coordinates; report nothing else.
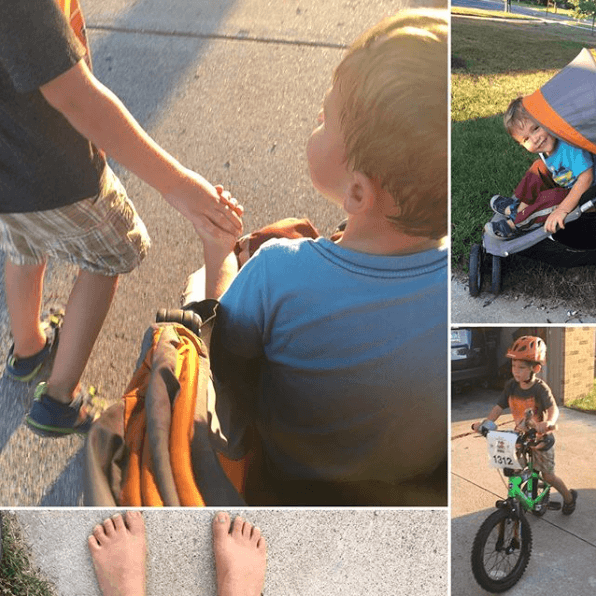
(573, 246)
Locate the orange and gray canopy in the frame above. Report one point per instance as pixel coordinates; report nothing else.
(566, 104)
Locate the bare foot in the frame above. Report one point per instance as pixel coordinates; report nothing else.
(118, 550)
(240, 557)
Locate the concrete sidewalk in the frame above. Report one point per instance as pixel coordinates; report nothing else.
(314, 553)
(562, 545)
(487, 309)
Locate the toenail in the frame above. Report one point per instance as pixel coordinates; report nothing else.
(221, 518)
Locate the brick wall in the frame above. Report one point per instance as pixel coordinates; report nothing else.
(577, 376)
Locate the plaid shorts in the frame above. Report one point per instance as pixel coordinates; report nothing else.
(101, 234)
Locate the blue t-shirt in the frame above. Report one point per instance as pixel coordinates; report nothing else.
(354, 385)
(566, 163)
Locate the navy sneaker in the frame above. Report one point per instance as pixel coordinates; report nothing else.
(50, 418)
(501, 230)
(500, 204)
(24, 369)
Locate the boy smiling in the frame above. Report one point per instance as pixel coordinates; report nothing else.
(551, 188)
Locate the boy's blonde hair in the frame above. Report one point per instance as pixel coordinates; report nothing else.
(516, 115)
(393, 88)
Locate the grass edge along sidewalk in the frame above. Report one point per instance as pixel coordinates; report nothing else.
(17, 575)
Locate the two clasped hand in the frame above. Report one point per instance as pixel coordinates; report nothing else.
(220, 235)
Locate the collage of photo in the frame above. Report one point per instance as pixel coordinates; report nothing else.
(297, 297)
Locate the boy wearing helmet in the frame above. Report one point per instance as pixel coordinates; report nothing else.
(525, 391)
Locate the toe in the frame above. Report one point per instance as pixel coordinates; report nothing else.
(221, 524)
(108, 526)
(118, 522)
(255, 535)
(237, 526)
(247, 530)
(99, 534)
(135, 522)
(92, 543)
(262, 544)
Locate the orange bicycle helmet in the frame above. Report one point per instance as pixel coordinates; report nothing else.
(528, 347)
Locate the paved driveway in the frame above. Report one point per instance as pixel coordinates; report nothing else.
(563, 547)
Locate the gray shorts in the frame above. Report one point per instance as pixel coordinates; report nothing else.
(102, 234)
(544, 461)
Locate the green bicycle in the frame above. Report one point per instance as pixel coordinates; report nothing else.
(503, 544)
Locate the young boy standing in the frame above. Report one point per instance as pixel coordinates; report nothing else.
(352, 333)
(59, 198)
(551, 188)
(527, 392)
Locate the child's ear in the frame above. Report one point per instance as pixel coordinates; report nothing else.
(361, 194)
(537, 368)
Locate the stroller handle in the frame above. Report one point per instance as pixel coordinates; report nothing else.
(587, 205)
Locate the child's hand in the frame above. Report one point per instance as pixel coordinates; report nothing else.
(244, 254)
(218, 241)
(226, 198)
(555, 220)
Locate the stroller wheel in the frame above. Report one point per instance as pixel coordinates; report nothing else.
(475, 275)
(495, 282)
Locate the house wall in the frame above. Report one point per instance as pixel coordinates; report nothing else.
(577, 378)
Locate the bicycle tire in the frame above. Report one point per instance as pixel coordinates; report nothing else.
(493, 569)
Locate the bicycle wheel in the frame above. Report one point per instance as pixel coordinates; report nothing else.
(501, 550)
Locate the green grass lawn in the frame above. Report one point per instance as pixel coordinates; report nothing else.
(585, 404)
(492, 63)
(17, 577)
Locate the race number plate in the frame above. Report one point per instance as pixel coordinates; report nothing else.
(501, 450)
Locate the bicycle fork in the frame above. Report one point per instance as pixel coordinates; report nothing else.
(514, 542)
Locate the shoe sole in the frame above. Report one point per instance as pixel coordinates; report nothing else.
(54, 431)
(31, 375)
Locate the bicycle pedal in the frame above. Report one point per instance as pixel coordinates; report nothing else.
(554, 505)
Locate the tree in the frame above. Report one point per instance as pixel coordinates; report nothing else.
(586, 8)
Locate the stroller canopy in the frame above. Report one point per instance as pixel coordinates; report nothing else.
(566, 104)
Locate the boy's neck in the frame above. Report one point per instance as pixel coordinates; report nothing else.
(379, 237)
(554, 148)
(527, 384)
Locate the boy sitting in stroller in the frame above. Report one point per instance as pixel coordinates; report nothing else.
(550, 189)
(352, 334)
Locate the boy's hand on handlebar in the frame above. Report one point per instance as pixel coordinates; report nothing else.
(544, 427)
(555, 221)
